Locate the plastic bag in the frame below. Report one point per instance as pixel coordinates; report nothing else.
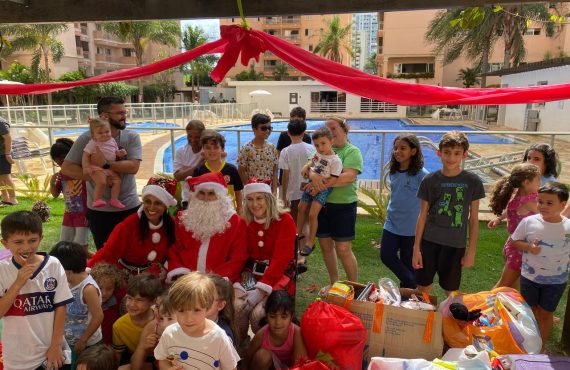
(513, 329)
(334, 332)
(389, 292)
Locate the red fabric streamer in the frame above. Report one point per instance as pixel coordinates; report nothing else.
(236, 41)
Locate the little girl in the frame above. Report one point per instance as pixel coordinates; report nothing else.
(101, 139)
(222, 311)
(74, 226)
(279, 344)
(406, 174)
(517, 193)
(545, 158)
(150, 335)
(111, 283)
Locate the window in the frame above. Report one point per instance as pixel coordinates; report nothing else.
(532, 31)
(541, 83)
(494, 67)
(413, 68)
(128, 52)
(98, 27)
(310, 47)
(306, 32)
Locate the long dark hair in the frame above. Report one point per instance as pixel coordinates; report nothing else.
(550, 158)
(417, 160)
(167, 223)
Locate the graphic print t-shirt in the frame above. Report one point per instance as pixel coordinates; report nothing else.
(449, 201)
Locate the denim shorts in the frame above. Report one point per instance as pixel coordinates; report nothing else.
(338, 222)
(546, 296)
(321, 196)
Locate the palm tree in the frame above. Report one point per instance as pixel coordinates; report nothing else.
(280, 73)
(139, 34)
(192, 37)
(469, 76)
(334, 40)
(371, 66)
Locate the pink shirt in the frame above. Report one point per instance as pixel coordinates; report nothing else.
(284, 352)
(108, 148)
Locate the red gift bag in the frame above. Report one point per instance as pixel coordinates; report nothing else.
(330, 331)
(310, 365)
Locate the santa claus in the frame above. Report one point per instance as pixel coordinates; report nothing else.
(210, 236)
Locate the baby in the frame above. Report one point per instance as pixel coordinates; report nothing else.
(101, 139)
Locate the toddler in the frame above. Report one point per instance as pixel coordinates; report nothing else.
(517, 194)
(111, 284)
(326, 165)
(194, 342)
(102, 140)
(278, 344)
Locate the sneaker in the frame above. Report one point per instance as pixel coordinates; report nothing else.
(98, 203)
(116, 203)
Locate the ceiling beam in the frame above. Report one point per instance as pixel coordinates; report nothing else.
(37, 11)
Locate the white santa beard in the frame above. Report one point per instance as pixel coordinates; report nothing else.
(204, 219)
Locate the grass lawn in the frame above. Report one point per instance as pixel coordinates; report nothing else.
(483, 276)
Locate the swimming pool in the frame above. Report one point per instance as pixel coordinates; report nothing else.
(369, 144)
(138, 126)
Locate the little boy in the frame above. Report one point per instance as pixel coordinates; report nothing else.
(544, 239)
(326, 164)
(84, 314)
(34, 294)
(213, 145)
(142, 292)
(449, 203)
(194, 342)
(259, 158)
(110, 281)
(291, 160)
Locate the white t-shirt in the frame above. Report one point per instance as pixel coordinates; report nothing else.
(326, 165)
(184, 158)
(211, 351)
(28, 324)
(293, 158)
(550, 266)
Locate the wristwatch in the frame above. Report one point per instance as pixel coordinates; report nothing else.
(106, 166)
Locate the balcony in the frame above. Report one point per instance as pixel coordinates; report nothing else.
(418, 75)
(291, 21)
(328, 107)
(105, 38)
(103, 58)
(273, 20)
(376, 106)
(292, 38)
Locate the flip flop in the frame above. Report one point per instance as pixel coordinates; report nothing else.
(306, 250)
(5, 203)
(301, 268)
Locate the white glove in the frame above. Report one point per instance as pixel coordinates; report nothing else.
(254, 297)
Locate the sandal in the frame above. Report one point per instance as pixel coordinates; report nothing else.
(301, 268)
(306, 250)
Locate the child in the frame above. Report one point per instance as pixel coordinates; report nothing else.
(84, 314)
(111, 284)
(74, 226)
(406, 173)
(163, 317)
(544, 240)
(449, 202)
(279, 344)
(213, 145)
(259, 158)
(327, 165)
(222, 311)
(517, 194)
(545, 158)
(8, 188)
(194, 342)
(141, 295)
(101, 140)
(33, 331)
(291, 160)
(97, 358)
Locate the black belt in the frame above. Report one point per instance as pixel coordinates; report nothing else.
(138, 269)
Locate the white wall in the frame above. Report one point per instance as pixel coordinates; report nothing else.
(278, 101)
(554, 116)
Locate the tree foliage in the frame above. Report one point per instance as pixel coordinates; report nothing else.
(281, 72)
(250, 74)
(371, 66)
(198, 70)
(468, 76)
(334, 40)
(89, 94)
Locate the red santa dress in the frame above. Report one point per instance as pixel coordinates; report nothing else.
(223, 253)
(125, 247)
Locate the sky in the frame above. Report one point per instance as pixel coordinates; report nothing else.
(210, 26)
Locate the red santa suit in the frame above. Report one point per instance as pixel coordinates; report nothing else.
(125, 243)
(223, 253)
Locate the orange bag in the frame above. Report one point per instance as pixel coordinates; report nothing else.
(511, 327)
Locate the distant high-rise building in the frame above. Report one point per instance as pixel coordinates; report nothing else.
(364, 31)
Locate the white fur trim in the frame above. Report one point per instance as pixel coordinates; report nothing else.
(256, 187)
(160, 193)
(238, 286)
(202, 254)
(219, 188)
(262, 286)
(177, 272)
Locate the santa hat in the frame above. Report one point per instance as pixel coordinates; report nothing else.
(256, 186)
(160, 193)
(212, 181)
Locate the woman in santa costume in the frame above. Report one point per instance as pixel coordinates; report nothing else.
(140, 243)
(210, 236)
(270, 243)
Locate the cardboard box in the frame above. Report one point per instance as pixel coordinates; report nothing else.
(395, 331)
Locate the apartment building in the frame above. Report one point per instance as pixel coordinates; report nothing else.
(303, 31)
(403, 51)
(364, 40)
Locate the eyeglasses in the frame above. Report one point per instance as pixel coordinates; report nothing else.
(266, 128)
(120, 113)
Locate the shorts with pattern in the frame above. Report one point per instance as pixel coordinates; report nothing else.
(321, 196)
(513, 257)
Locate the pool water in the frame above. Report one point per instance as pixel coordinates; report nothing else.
(369, 144)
